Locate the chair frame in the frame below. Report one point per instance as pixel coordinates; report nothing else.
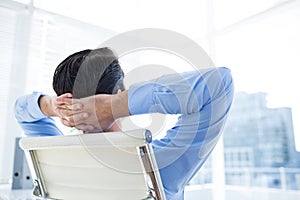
(147, 161)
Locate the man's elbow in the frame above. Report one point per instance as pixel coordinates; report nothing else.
(226, 77)
(225, 86)
(221, 86)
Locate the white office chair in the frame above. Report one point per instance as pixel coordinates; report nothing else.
(108, 166)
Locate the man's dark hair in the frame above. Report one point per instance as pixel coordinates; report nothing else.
(89, 72)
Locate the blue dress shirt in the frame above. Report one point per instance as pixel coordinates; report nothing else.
(202, 98)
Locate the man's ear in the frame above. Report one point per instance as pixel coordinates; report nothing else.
(118, 91)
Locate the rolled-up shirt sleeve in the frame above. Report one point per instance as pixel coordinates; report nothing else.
(31, 119)
(203, 99)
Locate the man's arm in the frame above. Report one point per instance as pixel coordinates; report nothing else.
(183, 94)
(33, 113)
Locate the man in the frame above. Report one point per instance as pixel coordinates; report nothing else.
(203, 98)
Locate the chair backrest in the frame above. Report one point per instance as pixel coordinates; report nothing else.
(117, 165)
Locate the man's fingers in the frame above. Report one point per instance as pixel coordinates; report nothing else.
(76, 118)
(87, 128)
(62, 99)
(66, 95)
(63, 113)
(72, 120)
(73, 107)
(84, 127)
(66, 100)
(66, 123)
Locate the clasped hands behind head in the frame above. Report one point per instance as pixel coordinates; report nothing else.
(95, 113)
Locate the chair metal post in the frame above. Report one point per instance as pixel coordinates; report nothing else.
(151, 172)
(39, 189)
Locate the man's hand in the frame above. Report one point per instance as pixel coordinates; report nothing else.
(97, 113)
(49, 104)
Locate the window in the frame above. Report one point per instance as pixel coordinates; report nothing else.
(32, 43)
(8, 21)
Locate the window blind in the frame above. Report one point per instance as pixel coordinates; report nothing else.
(7, 37)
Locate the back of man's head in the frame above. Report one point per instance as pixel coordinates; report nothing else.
(89, 72)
